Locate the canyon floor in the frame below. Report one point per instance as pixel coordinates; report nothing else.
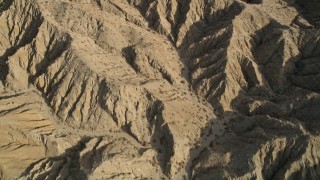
(159, 89)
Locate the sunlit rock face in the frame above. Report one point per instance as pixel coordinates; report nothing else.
(170, 89)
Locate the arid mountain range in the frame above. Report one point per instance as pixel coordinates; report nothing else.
(159, 89)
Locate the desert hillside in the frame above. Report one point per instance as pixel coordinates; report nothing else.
(159, 89)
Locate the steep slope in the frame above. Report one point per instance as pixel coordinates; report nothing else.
(25, 123)
(159, 89)
(95, 85)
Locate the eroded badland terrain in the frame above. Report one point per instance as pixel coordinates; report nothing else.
(151, 89)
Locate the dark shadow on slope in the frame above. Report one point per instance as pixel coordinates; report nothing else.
(305, 78)
(5, 5)
(30, 32)
(68, 168)
(143, 7)
(162, 140)
(130, 56)
(205, 53)
(217, 20)
(92, 159)
(55, 48)
(251, 136)
(102, 93)
(268, 51)
(259, 128)
(202, 49)
(257, 134)
(180, 17)
(306, 73)
(253, 1)
(310, 9)
(310, 172)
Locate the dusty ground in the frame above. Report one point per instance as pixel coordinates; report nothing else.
(148, 89)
